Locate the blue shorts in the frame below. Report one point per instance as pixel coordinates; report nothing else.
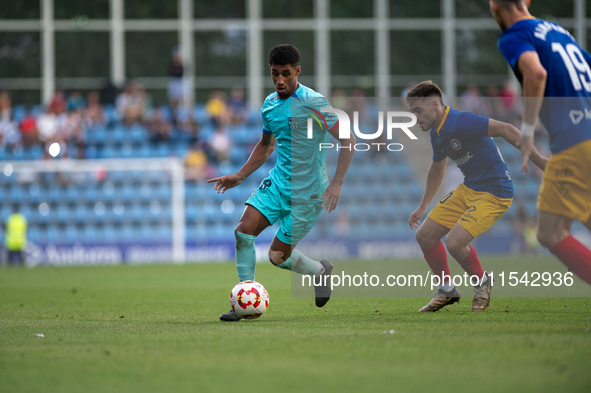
(295, 219)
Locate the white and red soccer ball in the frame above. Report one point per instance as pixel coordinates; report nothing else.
(249, 299)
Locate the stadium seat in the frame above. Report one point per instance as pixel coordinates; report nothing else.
(71, 234)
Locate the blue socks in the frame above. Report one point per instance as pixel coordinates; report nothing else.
(246, 258)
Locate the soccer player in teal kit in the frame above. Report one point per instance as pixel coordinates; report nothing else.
(295, 201)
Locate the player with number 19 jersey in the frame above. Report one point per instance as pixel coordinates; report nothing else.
(565, 111)
(567, 65)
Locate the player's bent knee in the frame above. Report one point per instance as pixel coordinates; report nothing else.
(425, 240)
(546, 238)
(453, 245)
(276, 257)
(421, 238)
(550, 238)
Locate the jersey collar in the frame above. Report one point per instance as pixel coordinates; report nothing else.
(295, 95)
(524, 18)
(447, 108)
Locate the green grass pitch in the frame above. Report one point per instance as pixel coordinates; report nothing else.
(155, 328)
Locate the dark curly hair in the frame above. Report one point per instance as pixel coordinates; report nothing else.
(284, 54)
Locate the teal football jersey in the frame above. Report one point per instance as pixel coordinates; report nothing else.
(300, 171)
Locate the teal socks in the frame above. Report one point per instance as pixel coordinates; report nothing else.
(301, 264)
(246, 258)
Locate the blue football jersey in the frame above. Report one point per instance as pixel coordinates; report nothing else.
(300, 171)
(463, 137)
(569, 77)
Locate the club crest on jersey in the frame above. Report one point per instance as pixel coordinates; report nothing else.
(293, 123)
(455, 144)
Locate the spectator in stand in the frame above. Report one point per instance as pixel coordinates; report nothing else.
(147, 107)
(159, 128)
(108, 92)
(510, 98)
(237, 112)
(471, 100)
(216, 108)
(339, 100)
(58, 103)
(492, 102)
(76, 101)
(28, 129)
(9, 134)
(190, 127)
(73, 131)
(220, 144)
(196, 163)
(94, 114)
(5, 106)
(48, 125)
(175, 83)
(131, 104)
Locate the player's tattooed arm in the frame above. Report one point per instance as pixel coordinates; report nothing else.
(512, 135)
(259, 155)
(332, 194)
(434, 179)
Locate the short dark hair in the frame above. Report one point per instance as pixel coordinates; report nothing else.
(506, 3)
(423, 90)
(284, 54)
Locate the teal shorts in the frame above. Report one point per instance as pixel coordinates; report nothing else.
(295, 219)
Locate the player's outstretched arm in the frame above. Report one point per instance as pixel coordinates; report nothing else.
(534, 84)
(513, 136)
(434, 179)
(332, 194)
(259, 155)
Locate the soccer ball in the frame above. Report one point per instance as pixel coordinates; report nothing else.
(249, 299)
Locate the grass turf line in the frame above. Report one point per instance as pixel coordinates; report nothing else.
(155, 328)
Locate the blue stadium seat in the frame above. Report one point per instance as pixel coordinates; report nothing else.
(16, 193)
(138, 133)
(129, 192)
(91, 152)
(62, 212)
(137, 213)
(109, 233)
(128, 232)
(34, 234)
(532, 188)
(191, 212)
(53, 234)
(72, 235)
(18, 112)
(89, 234)
(111, 113)
(127, 151)
(91, 193)
(118, 135)
(81, 213)
(108, 151)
